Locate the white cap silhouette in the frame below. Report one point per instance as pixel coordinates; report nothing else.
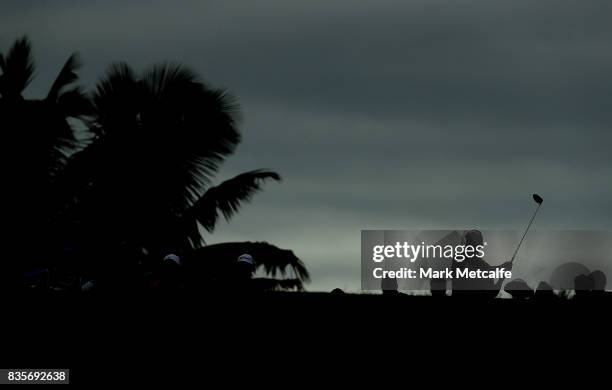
(246, 258)
(172, 257)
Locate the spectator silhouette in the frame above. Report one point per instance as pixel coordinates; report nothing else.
(518, 289)
(583, 285)
(244, 271)
(476, 288)
(563, 277)
(544, 291)
(599, 282)
(389, 286)
(438, 287)
(171, 273)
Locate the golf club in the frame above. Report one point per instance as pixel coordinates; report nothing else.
(539, 200)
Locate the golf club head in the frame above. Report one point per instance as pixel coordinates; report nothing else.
(538, 199)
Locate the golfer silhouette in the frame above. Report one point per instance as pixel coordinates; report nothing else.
(471, 287)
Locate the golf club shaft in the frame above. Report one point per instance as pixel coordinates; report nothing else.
(524, 234)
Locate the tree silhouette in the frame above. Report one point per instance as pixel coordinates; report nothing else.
(142, 182)
(159, 139)
(38, 140)
(145, 181)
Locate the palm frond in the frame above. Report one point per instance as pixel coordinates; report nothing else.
(66, 77)
(274, 265)
(183, 115)
(116, 101)
(17, 69)
(220, 259)
(226, 198)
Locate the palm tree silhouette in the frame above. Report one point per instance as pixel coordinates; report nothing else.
(38, 139)
(39, 129)
(158, 141)
(138, 179)
(145, 181)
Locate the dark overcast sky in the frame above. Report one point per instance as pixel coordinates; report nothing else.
(378, 114)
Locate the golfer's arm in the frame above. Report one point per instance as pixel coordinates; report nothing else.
(495, 267)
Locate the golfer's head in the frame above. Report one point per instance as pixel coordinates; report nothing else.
(473, 238)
